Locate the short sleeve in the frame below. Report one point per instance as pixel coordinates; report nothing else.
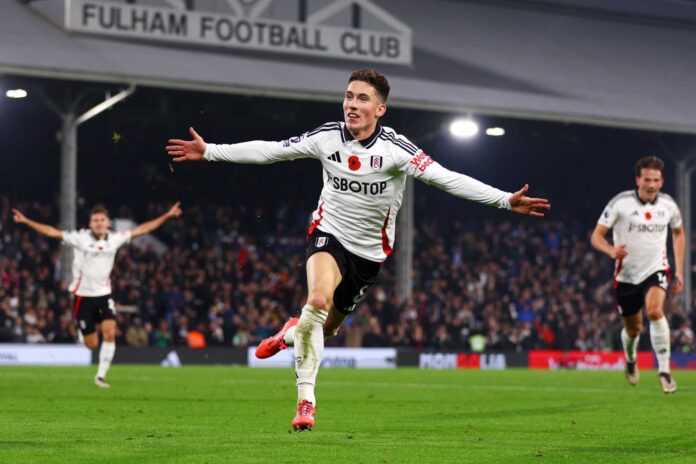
(72, 237)
(609, 216)
(121, 238)
(675, 222)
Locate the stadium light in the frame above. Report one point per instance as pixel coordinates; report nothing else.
(464, 128)
(495, 131)
(16, 93)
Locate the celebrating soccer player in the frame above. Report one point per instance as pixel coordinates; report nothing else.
(365, 167)
(94, 254)
(640, 219)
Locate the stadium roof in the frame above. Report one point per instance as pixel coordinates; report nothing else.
(628, 64)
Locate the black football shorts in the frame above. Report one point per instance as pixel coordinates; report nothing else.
(357, 274)
(630, 298)
(89, 310)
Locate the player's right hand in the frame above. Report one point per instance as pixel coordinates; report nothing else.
(187, 150)
(619, 252)
(18, 216)
(175, 210)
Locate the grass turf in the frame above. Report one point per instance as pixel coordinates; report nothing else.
(233, 415)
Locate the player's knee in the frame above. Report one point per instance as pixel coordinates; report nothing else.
(654, 313)
(91, 344)
(634, 330)
(109, 337)
(320, 301)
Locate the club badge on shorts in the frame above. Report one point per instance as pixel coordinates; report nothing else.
(321, 241)
(376, 162)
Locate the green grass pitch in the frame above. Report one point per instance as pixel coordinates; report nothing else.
(237, 415)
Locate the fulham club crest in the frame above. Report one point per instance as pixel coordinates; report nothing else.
(376, 162)
(321, 241)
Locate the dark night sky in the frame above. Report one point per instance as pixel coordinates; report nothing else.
(578, 167)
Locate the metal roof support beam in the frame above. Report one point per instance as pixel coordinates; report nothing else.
(105, 105)
(68, 164)
(404, 244)
(684, 169)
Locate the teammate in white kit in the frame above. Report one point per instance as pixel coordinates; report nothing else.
(352, 232)
(640, 219)
(94, 254)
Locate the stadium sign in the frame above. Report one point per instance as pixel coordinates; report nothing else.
(585, 360)
(44, 355)
(245, 28)
(357, 358)
(486, 361)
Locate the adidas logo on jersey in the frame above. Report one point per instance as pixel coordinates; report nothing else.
(334, 157)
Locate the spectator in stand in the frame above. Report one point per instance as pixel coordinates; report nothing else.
(214, 276)
(136, 335)
(162, 336)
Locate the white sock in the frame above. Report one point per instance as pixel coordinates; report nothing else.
(309, 350)
(630, 345)
(106, 355)
(289, 337)
(659, 336)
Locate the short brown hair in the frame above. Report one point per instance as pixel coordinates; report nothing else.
(375, 79)
(97, 209)
(650, 162)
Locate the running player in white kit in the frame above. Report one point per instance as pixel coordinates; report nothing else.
(365, 167)
(93, 260)
(640, 219)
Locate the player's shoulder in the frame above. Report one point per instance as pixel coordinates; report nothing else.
(326, 128)
(617, 200)
(119, 234)
(397, 141)
(667, 199)
(77, 236)
(83, 233)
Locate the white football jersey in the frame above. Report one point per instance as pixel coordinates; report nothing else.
(93, 260)
(364, 181)
(642, 227)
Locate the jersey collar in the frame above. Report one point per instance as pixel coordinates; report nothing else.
(368, 142)
(94, 236)
(635, 193)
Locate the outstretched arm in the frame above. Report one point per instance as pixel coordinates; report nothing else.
(679, 247)
(600, 243)
(255, 152)
(43, 229)
(149, 226)
(431, 172)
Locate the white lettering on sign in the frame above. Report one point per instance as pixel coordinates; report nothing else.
(201, 28)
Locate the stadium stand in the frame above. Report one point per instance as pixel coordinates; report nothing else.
(486, 285)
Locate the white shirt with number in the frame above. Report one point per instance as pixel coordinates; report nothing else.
(642, 227)
(93, 260)
(364, 181)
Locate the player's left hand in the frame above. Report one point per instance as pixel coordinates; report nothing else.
(18, 216)
(175, 210)
(677, 283)
(529, 206)
(187, 150)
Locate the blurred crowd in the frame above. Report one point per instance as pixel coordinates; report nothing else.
(231, 275)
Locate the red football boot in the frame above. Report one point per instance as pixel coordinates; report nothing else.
(304, 419)
(272, 345)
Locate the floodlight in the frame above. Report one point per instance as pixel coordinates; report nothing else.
(464, 128)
